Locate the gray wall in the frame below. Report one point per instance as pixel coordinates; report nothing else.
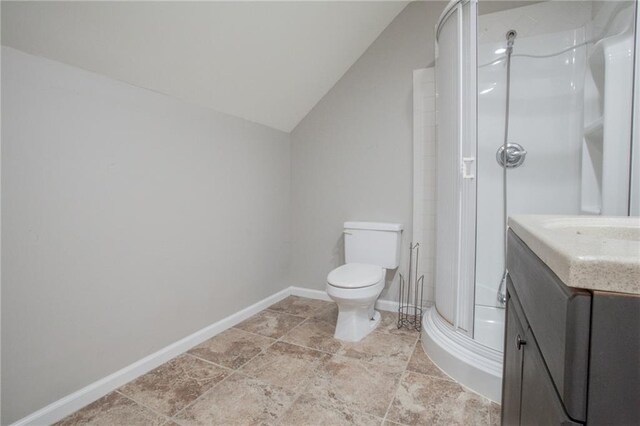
(352, 154)
(129, 221)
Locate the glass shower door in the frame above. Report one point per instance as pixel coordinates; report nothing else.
(455, 200)
(557, 111)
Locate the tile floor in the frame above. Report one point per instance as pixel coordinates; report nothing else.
(283, 366)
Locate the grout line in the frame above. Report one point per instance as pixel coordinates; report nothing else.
(306, 347)
(208, 362)
(256, 334)
(402, 374)
(200, 397)
(292, 328)
(167, 418)
(302, 389)
(233, 371)
(278, 312)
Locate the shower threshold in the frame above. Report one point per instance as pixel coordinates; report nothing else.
(470, 363)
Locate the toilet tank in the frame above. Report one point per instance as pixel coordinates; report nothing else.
(374, 243)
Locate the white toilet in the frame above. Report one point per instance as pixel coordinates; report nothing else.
(370, 249)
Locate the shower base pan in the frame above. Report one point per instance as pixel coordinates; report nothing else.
(470, 363)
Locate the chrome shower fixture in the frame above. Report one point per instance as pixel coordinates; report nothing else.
(512, 157)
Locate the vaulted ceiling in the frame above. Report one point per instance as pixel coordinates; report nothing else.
(268, 62)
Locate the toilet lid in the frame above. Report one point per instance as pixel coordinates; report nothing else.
(355, 275)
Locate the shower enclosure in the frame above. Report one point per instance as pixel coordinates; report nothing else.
(570, 119)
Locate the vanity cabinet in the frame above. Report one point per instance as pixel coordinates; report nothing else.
(571, 356)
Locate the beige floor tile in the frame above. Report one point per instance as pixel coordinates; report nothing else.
(389, 324)
(285, 365)
(113, 409)
(328, 314)
(239, 400)
(360, 385)
(269, 323)
(175, 384)
(355, 385)
(309, 410)
(390, 350)
(420, 363)
(299, 306)
(427, 400)
(314, 334)
(388, 321)
(232, 348)
(495, 413)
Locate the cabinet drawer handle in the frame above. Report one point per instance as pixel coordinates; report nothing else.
(520, 342)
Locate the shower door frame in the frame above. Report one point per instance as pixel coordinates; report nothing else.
(465, 268)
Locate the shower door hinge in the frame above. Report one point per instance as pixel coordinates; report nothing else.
(467, 167)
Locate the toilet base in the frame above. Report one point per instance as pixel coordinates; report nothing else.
(354, 326)
(356, 314)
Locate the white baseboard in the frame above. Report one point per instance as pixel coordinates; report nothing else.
(309, 293)
(381, 304)
(387, 305)
(73, 402)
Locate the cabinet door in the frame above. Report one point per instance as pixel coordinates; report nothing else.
(540, 404)
(512, 374)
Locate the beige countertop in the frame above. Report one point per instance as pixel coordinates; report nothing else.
(590, 252)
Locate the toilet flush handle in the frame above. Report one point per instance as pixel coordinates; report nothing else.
(346, 232)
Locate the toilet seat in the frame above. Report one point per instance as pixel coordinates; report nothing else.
(355, 275)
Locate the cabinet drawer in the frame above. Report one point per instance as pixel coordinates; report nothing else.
(559, 318)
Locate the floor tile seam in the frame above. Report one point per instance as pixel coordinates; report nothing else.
(402, 375)
(390, 333)
(305, 388)
(451, 380)
(306, 347)
(255, 334)
(293, 328)
(318, 360)
(262, 381)
(208, 361)
(300, 345)
(297, 396)
(431, 376)
(296, 393)
(262, 350)
(322, 308)
(280, 312)
(313, 312)
(145, 406)
(192, 403)
(331, 323)
(233, 371)
(369, 363)
(235, 328)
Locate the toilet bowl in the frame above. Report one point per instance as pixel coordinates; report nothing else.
(355, 287)
(370, 249)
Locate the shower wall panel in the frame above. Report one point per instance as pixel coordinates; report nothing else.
(545, 118)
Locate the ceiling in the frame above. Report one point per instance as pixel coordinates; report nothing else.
(267, 62)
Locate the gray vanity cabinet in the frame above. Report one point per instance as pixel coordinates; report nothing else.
(511, 389)
(571, 356)
(540, 404)
(529, 397)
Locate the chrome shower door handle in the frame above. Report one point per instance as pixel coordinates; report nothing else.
(513, 157)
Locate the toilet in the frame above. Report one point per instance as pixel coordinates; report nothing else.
(371, 248)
